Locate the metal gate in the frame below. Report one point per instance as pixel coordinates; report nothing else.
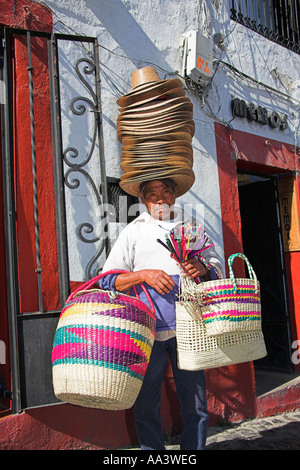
(79, 182)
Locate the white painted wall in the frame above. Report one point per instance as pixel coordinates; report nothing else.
(137, 33)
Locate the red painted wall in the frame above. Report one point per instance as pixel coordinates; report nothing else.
(4, 368)
(68, 427)
(293, 268)
(26, 14)
(230, 390)
(23, 181)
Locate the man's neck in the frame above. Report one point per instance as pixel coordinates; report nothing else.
(169, 218)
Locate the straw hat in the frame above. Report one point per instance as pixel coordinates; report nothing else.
(145, 83)
(144, 76)
(156, 131)
(175, 136)
(182, 177)
(166, 89)
(155, 127)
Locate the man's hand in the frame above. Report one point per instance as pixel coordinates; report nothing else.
(159, 280)
(156, 278)
(194, 268)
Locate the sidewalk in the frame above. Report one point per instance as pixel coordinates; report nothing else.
(280, 432)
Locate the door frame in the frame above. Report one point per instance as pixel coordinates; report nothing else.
(283, 268)
(248, 152)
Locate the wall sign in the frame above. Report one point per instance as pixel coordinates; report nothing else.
(289, 213)
(261, 115)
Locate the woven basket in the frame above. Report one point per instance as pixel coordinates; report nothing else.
(102, 347)
(229, 305)
(196, 350)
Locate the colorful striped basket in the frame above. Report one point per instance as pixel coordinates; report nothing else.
(230, 305)
(102, 347)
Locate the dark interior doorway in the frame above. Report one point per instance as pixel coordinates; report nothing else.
(262, 244)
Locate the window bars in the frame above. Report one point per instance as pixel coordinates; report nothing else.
(276, 20)
(125, 207)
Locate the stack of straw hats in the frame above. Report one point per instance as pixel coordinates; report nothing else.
(155, 127)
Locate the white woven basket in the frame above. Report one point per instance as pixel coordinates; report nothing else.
(196, 350)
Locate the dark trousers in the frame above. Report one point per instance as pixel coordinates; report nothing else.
(191, 392)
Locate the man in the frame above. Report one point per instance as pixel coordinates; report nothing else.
(146, 261)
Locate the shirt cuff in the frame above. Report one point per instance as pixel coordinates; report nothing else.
(108, 282)
(213, 274)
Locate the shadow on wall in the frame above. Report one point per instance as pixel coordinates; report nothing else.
(124, 29)
(231, 393)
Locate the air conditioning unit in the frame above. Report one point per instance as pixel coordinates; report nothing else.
(198, 57)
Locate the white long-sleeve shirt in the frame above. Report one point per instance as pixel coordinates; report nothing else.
(137, 248)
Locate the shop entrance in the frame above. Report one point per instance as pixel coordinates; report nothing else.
(262, 244)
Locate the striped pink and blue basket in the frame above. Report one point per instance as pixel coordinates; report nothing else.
(102, 347)
(231, 305)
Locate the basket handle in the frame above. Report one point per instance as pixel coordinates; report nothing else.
(95, 279)
(250, 270)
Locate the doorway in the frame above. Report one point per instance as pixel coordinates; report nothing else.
(262, 244)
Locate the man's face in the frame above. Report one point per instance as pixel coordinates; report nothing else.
(159, 200)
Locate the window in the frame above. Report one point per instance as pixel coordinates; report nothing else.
(277, 20)
(125, 206)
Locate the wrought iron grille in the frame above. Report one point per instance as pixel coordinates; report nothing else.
(276, 20)
(121, 202)
(78, 171)
(82, 171)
